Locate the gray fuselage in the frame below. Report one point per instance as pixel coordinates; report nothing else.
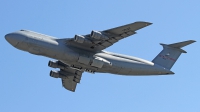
(40, 44)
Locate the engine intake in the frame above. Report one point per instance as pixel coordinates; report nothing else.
(63, 74)
(56, 74)
(57, 64)
(98, 35)
(81, 39)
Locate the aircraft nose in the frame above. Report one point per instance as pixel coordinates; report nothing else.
(14, 38)
(11, 39)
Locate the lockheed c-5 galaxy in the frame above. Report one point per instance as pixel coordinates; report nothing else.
(86, 53)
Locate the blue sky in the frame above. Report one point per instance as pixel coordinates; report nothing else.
(25, 84)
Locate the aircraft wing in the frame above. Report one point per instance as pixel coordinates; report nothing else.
(71, 79)
(69, 84)
(114, 35)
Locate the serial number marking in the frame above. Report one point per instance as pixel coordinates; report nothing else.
(167, 57)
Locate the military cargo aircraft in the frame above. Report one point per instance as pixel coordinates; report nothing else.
(85, 53)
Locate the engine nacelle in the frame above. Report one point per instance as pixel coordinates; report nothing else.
(98, 35)
(63, 74)
(56, 64)
(56, 74)
(81, 39)
(77, 78)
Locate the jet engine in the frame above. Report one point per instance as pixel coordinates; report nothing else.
(81, 39)
(56, 74)
(98, 35)
(62, 74)
(57, 64)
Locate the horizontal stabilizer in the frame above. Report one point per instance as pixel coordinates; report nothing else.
(179, 45)
(170, 53)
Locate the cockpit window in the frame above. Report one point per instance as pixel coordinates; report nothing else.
(22, 30)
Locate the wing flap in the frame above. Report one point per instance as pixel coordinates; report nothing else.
(106, 43)
(112, 40)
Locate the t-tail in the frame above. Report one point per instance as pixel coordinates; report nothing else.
(170, 53)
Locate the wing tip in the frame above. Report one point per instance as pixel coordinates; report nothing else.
(72, 90)
(192, 41)
(146, 23)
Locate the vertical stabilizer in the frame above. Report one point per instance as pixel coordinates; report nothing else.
(170, 53)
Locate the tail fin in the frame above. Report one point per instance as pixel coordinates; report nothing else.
(170, 53)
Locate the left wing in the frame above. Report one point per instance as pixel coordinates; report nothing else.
(69, 76)
(97, 41)
(70, 81)
(69, 84)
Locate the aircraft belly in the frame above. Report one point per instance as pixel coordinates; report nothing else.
(115, 68)
(49, 48)
(123, 66)
(119, 65)
(140, 70)
(148, 70)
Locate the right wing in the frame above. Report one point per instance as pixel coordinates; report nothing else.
(114, 35)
